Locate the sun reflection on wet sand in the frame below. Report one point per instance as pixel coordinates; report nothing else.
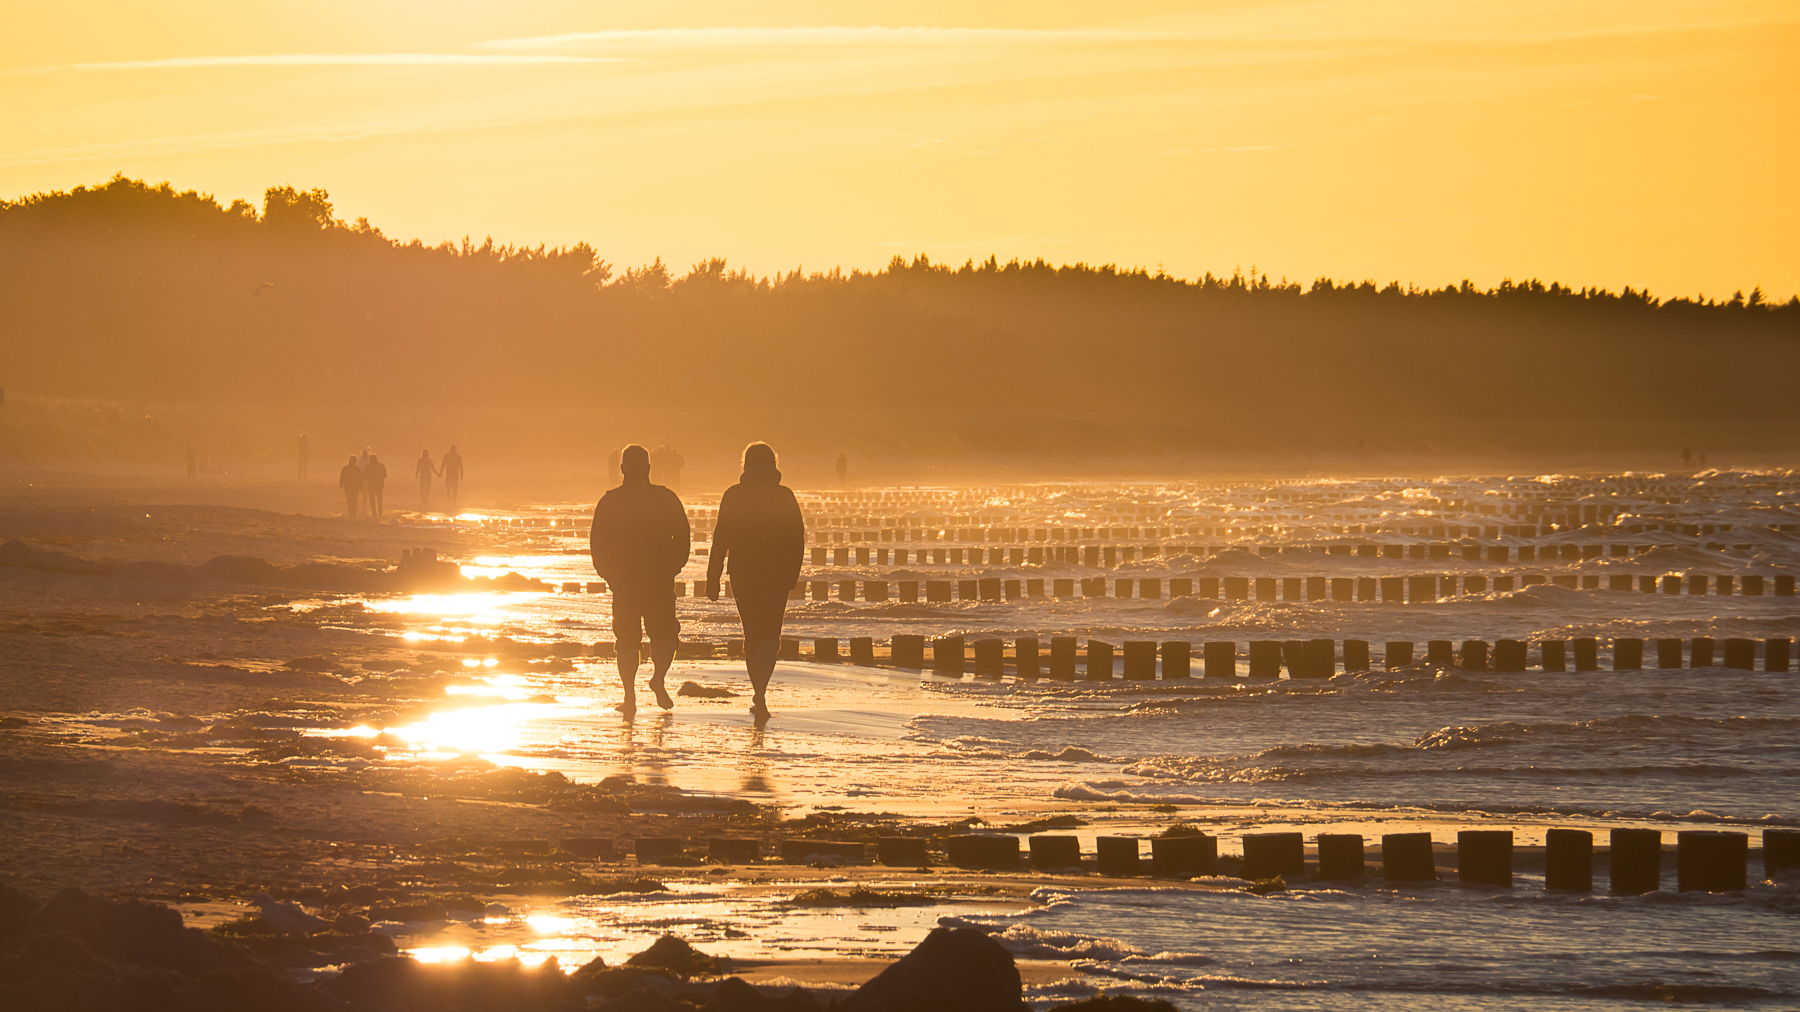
(438, 953)
(479, 607)
(479, 729)
(509, 686)
(840, 736)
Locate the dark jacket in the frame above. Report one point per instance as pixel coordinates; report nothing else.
(350, 479)
(375, 475)
(760, 533)
(640, 536)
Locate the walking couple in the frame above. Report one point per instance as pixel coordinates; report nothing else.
(640, 541)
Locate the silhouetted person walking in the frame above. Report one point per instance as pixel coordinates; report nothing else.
(452, 467)
(303, 450)
(350, 480)
(424, 470)
(191, 461)
(843, 470)
(362, 464)
(761, 540)
(374, 476)
(639, 542)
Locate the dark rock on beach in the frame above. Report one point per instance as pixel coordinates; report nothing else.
(398, 984)
(953, 968)
(76, 952)
(671, 953)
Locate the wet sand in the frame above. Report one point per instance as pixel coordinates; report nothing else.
(197, 743)
(140, 755)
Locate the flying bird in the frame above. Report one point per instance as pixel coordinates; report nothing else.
(259, 288)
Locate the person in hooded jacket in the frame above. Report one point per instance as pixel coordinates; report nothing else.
(760, 540)
(639, 542)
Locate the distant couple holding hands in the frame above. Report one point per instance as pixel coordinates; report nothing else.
(640, 542)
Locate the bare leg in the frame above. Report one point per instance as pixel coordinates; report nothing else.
(762, 645)
(759, 659)
(628, 665)
(662, 654)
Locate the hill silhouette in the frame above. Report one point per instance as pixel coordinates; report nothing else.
(136, 292)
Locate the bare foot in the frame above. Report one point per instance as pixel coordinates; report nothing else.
(759, 710)
(628, 707)
(662, 695)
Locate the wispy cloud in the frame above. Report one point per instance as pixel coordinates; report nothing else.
(1240, 149)
(184, 144)
(822, 35)
(1335, 22)
(341, 60)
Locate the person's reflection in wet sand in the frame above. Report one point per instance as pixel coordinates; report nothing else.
(754, 764)
(644, 762)
(656, 757)
(626, 768)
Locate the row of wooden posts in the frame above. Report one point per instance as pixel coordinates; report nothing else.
(1705, 860)
(1112, 556)
(1068, 659)
(1289, 589)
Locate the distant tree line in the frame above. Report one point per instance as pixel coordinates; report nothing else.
(132, 290)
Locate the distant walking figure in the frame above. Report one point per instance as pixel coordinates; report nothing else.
(452, 468)
(350, 480)
(303, 450)
(191, 461)
(761, 540)
(374, 477)
(639, 542)
(362, 464)
(665, 466)
(424, 470)
(843, 470)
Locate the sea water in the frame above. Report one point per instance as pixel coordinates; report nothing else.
(1383, 751)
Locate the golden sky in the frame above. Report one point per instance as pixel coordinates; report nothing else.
(1608, 143)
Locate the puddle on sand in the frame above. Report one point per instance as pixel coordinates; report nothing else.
(839, 737)
(728, 918)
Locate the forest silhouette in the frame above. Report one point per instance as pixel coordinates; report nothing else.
(132, 291)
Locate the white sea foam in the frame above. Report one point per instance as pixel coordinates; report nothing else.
(1027, 942)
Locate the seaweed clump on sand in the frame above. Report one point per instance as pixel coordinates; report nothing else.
(860, 898)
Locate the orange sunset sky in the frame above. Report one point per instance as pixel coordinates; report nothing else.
(1644, 143)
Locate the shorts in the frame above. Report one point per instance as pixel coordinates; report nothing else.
(648, 610)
